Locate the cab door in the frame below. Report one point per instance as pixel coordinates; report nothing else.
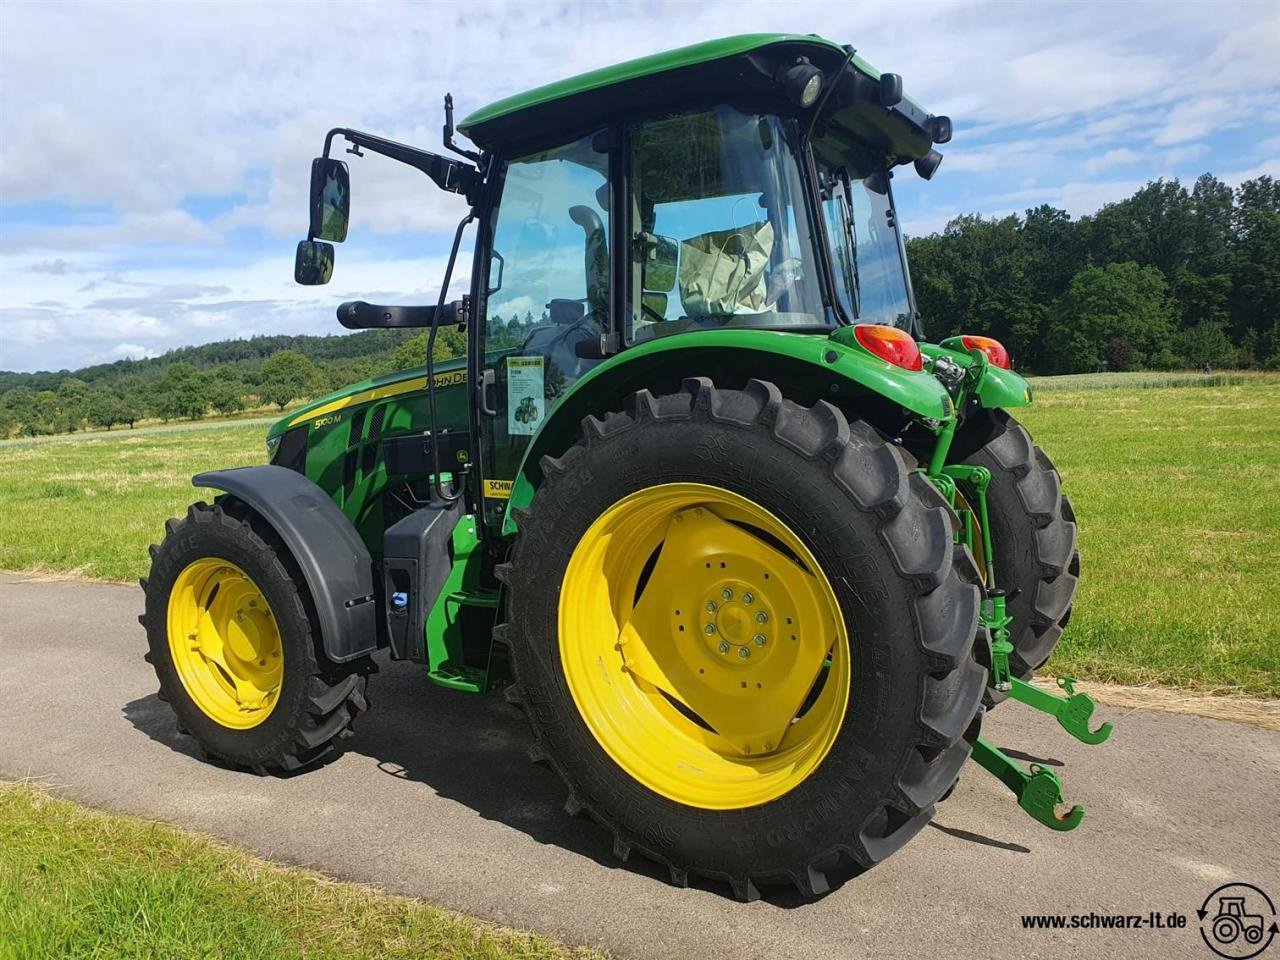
(549, 290)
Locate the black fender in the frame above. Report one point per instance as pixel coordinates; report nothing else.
(334, 560)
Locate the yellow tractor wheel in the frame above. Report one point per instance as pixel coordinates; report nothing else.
(230, 637)
(744, 636)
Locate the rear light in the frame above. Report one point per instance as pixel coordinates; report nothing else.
(994, 349)
(889, 343)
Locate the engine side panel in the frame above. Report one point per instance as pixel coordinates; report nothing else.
(365, 446)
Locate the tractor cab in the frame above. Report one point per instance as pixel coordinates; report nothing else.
(741, 184)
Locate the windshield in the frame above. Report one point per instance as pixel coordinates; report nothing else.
(720, 233)
(865, 253)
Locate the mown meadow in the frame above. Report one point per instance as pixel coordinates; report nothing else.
(1174, 480)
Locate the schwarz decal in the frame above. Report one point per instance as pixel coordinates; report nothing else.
(498, 489)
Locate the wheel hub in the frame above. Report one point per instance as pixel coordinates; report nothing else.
(739, 621)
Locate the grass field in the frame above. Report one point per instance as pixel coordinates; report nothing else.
(1174, 479)
(75, 883)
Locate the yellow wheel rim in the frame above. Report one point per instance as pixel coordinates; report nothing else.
(703, 646)
(225, 643)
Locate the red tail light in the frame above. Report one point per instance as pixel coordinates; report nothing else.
(994, 349)
(889, 343)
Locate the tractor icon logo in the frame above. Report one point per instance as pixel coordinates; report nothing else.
(1237, 921)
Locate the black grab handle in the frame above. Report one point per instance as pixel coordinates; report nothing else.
(358, 315)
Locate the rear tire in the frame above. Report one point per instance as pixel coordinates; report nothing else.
(882, 539)
(315, 702)
(1033, 536)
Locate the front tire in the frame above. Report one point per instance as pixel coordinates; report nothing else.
(637, 717)
(231, 638)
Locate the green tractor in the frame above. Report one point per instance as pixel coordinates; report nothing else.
(752, 558)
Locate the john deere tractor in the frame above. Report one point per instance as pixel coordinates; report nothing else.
(753, 559)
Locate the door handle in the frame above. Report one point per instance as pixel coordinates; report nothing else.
(488, 383)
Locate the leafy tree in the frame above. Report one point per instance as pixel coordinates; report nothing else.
(225, 394)
(1250, 346)
(133, 400)
(1120, 300)
(19, 405)
(1206, 345)
(181, 392)
(287, 375)
(413, 353)
(1255, 293)
(105, 408)
(72, 397)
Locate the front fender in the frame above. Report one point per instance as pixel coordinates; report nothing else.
(607, 385)
(335, 563)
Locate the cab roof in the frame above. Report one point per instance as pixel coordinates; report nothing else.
(733, 69)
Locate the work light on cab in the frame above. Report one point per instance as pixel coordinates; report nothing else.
(802, 83)
(890, 343)
(994, 349)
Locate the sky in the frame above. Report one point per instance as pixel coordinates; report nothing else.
(155, 157)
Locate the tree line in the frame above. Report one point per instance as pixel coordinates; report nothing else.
(1169, 278)
(194, 382)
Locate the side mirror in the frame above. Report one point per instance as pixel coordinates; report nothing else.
(330, 199)
(313, 265)
(890, 89)
(660, 257)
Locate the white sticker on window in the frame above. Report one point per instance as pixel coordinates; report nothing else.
(526, 399)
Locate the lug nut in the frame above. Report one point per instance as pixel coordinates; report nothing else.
(709, 629)
(726, 593)
(762, 617)
(743, 653)
(711, 606)
(724, 646)
(760, 639)
(748, 597)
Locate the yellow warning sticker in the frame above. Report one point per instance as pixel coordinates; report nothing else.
(498, 489)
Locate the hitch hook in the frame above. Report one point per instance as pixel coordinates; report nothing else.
(1072, 712)
(1039, 791)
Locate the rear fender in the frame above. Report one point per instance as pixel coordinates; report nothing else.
(805, 367)
(335, 563)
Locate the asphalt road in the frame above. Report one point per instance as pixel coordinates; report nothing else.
(434, 798)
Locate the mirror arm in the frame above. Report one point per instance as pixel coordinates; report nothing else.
(476, 158)
(447, 174)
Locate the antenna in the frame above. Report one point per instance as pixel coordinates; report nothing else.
(448, 133)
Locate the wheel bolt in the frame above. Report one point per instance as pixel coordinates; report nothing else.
(760, 639)
(748, 597)
(710, 628)
(711, 606)
(743, 653)
(726, 593)
(762, 617)
(724, 646)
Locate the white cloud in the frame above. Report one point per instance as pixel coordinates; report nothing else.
(132, 351)
(146, 311)
(182, 128)
(1120, 157)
